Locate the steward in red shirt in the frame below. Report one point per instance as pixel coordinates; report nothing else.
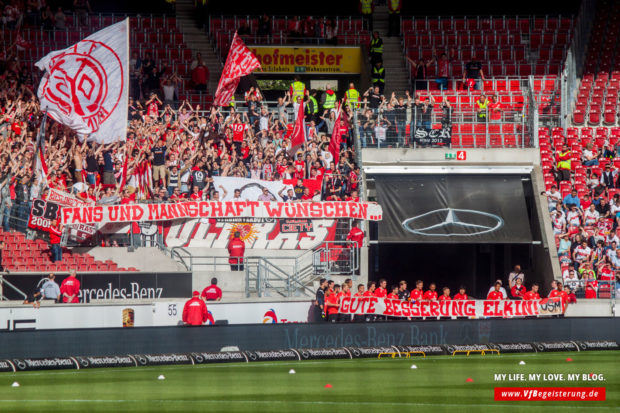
(212, 292)
(417, 293)
(496, 294)
(356, 235)
(70, 288)
(236, 249)
(195, 311)
(431, 294)
(461, 295)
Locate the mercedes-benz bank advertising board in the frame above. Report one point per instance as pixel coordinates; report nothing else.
(454, 229)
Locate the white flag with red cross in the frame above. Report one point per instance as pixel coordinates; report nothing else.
(85, 86)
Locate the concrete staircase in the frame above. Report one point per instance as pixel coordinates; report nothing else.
(396, 75)
(198, 40)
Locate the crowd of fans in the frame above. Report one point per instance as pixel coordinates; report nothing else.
(329, 294)
(171, 154)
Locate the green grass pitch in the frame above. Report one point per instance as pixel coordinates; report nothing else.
(363, 385)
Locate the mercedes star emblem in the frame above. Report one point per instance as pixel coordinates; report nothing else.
(451, 222)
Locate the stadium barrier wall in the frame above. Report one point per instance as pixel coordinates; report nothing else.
(159, 340)
(138, 360)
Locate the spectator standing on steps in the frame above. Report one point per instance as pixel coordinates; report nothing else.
(394, 7)
(55, 231)
(195, 311)
(366, 7)
(236, 249)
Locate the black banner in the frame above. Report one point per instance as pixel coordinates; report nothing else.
(452, 208)
(162, 359)
(296, 225)
(324, 353)
(427, 350)
(222, 357)
(556, 346)
(51, 363)
(370, 352)
(6, 366)
(598, 345)
(112, 286)
(272, 355)
(513, 347)
(460, 349)
(432, 137)
(106, 361)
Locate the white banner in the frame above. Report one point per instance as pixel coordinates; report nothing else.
(85, 86)
(250, 189)
(158, 314)
(103, 214)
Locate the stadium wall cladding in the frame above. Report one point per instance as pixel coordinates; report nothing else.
(263, 337)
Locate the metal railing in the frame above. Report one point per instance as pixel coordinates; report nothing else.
(4, 283)
(336, 258)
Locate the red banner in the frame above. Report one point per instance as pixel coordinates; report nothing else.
(240, 62)
(103, 214)
(450, 308)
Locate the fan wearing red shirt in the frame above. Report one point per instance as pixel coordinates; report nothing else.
(196, 194)
(370, 292)
(360, 290)
(591, 287)
(496, 294)
(331, 302)
(353, 197)
(236, 249)
(446, 294)
(393, 295)
(55, 231)
(381, 291)
(532, 294)
(518, 289)
(212, 292)
(195, 311)
(346, 292)
(70, 288)
(431, 294)
(417, 293)
(300, 167)
(238, 131)
(462, 295)
(559, 292)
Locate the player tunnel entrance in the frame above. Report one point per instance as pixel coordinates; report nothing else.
(455, 229)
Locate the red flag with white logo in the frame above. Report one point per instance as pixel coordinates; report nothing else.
(85, 86)
(339, 130)
(298, 136)
(240, 62)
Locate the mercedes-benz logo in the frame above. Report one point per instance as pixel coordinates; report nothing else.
(452, 222)
(20, 364)
(198, 358)
(83, 362)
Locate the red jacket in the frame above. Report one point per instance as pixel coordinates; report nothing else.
(55, 234)
(356, 235)
(236, 249)
(70, 286)
(195, 312)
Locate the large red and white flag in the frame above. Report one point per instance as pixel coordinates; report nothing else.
(339, 130)
(240, 62)
(85, 86)
(298, 135)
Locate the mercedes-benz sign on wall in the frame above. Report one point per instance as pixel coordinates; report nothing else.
(453, 222)
(452, 208)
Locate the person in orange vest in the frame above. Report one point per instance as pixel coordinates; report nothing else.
(195, 311)
(236, 249)
(394, 7)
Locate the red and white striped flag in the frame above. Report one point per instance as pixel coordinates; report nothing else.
(336, 140)
(240, 62)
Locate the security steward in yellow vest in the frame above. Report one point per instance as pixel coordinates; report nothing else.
(394, 7)
(366, 8)
(352, 97)
(378, 76)
(376, 49)
(329, 100)
(564, 163)
(481, 108)
(312, 107)
(297, 89)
